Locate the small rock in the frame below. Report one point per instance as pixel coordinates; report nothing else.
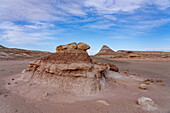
(143, 86)
(147, 82)
(45, 94)
(150, 80)
(15, 82)
(102, 102)
(163, 85)
(13, 79)
(113, 68)
(5, 95)
(9, 83)
(146, 103)
(159, 81)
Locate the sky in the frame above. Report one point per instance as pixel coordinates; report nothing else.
(119, 24)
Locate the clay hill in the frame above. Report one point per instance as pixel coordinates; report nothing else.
(71, 69)
(106, 52)
(14, 53)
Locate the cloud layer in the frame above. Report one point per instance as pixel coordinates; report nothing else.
(32, 21)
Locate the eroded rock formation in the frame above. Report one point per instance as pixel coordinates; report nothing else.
(70, 68)
(106, 52)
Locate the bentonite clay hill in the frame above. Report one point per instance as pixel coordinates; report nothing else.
(70, 68)
(106, 52)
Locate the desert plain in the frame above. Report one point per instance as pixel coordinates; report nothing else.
(119, 97)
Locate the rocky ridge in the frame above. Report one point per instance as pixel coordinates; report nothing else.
(14, 53)
(106, 52)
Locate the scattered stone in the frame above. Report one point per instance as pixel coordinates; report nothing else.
(102, 102)
(9, 83)
(45, 94)
(146, 103)
(13, 79)
(5, 95)
(150, 80)
(147, 82)
(163, 85)
(159, 81)
(143, 86)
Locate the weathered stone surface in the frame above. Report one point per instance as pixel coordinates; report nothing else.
(83, 46)
(143, 86)
(59, 48)
(71, 46)
(146, 103)
(102, 102)
(113, 68)
(70, 68)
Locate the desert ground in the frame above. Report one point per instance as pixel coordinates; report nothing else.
(120, 99)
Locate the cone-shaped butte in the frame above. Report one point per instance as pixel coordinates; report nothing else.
(70, 68)
(105, 51)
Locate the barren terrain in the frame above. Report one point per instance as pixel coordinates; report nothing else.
(121, 98)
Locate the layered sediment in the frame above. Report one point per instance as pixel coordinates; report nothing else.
(71, 69)
(105, 51)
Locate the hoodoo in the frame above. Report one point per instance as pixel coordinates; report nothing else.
(70, 68)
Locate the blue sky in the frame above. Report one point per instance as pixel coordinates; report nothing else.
(120, 24)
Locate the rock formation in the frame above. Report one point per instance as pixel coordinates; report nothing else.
(70, 68)
(106, 52)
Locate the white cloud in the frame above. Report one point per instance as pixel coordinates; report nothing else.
(113, 6)
(118, 37)
(58, 10)
(100, 25)
(94, 14)
(24, 34)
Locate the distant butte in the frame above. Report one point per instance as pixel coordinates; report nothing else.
(106, 52)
